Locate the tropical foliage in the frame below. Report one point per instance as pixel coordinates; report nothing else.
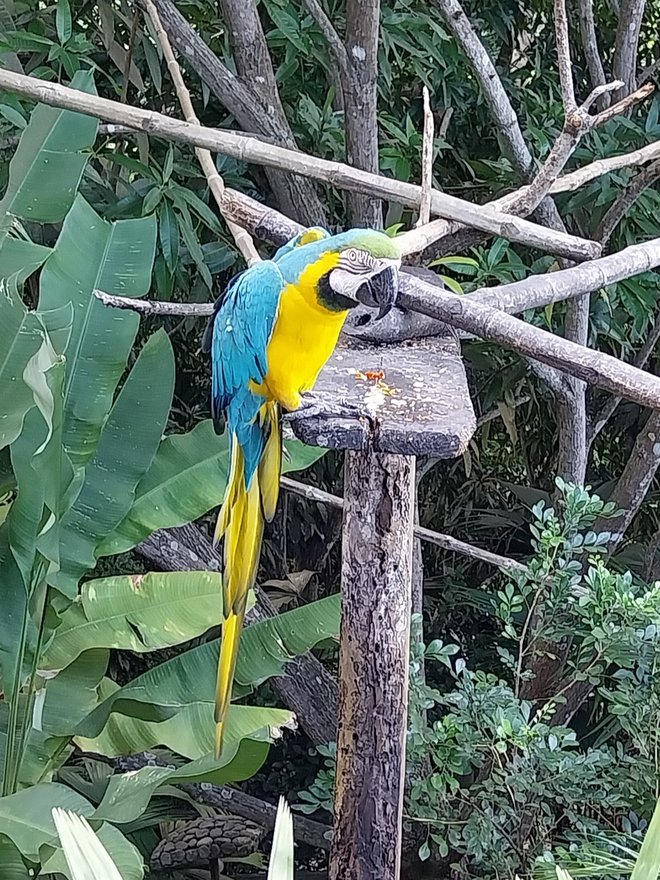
(105, 438)
(91, 472)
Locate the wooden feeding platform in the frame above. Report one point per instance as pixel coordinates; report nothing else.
(416, 402)
(414, 394)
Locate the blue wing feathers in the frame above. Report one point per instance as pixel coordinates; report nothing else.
(242, 327)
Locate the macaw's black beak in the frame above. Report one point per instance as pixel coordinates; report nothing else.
(380, 291)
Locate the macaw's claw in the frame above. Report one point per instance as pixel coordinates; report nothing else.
(312, 407)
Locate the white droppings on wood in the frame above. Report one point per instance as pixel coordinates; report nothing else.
(359, 53)
(374, 399)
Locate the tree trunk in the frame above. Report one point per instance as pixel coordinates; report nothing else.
(379, 493)
(361, 104)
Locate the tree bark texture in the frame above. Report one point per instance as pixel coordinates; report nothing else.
(255, 104)
(633, 484)
(624, 67)
(379, 498)
(361, 104)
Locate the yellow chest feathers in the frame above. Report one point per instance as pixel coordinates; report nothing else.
(303, 338)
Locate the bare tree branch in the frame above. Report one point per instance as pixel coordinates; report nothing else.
(296, 196)
(427, 162)
(562, 38)
(624, 65)
(633, 484)
(446, 542)
(331, 37)
(446, 236)
(518, 296)
(605, 413)
(590, 46)
(251, 55)
(622, 204)
(474, 316)
(250, 150)
(595, 368)
(501, 109)
(357, 60)
(215, 182)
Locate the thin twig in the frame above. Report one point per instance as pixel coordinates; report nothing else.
(427, 162)
(249, 149)
(547, 182)
(215, 182)
(452, 545)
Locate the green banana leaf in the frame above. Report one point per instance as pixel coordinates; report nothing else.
(49, 161)
(244, 751)
(186, 480)
(20, 258)
(190, 734)
(26, 819)
(126, 448)
(137, 613)
(22, 338)
(647, 863)
(72, 694)
(265, 648)
(117, 258)
(13, 866)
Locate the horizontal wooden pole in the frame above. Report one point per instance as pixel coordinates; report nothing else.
(446, 542)
(249, 149)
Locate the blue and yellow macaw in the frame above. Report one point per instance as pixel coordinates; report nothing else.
(272, 331)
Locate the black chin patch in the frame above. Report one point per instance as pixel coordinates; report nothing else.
(333, 301)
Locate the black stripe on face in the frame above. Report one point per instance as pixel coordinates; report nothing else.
(330, 299)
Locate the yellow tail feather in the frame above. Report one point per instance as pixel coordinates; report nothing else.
(231, 634)
(241, 522)
(270, 466)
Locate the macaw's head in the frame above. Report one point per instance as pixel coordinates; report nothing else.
(367, 271)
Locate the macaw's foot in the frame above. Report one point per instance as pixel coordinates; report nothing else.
(312, 407)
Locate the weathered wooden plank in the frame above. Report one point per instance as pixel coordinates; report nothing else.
(425, 408)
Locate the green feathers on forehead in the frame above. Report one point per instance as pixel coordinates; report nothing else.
(376, 243)
(379, 245)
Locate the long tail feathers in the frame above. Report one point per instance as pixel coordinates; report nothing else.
(231, 633)
(241, 523)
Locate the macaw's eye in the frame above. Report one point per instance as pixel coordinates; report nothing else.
(357, 260)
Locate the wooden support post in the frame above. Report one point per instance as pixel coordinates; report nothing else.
(379, 498)
(420, 408)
